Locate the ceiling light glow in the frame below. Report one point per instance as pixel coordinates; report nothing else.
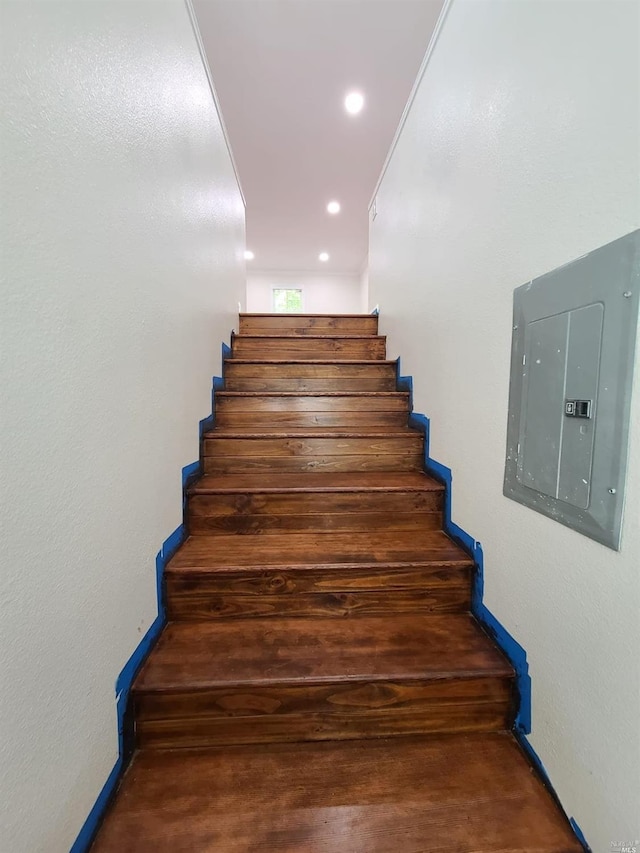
(248, 255)
(333, 207)
(323, 256)
(353, 103)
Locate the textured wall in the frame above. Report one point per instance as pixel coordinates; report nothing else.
(123, 232)
(520, 153)
(321, 294)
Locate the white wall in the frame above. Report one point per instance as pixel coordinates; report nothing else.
(364, 289)
(321, 293)
(123, 232)
(520, 153)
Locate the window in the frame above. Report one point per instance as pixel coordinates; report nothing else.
(287, 301)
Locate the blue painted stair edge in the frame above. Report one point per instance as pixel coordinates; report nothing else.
(516, 655)
(127, 676)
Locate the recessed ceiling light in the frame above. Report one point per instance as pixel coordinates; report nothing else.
(323, 256)
(248, 255)
(333, 207)
(354, 102)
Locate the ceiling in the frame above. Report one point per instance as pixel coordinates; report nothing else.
(281, 69)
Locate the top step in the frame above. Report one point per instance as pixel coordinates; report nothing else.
(308, 324)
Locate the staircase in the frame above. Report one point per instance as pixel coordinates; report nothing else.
(321, 686)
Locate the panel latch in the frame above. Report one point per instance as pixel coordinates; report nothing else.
(577, 408)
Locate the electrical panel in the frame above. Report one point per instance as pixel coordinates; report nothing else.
(572, 358)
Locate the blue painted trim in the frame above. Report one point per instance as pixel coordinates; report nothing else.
(91, 824)
(131, 668)
(579, 835)
(123, 688)
(510, 647)
(536, 763)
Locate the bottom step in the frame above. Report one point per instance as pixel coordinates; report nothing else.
(459, 793)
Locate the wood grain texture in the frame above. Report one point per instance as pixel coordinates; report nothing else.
(383, 462)
(405, 434)
(235, 381)
(275, 512)
(248, 524)
(286, 409)
(352, 347)
(192, 599)
(308, 324)
(358, 482)
(313, 376)
(318, 651)
(233, 682)
(269, 443)
(278, 581)
(416, 711)
(363, 449)
(318, 502)
(472, 793)
(293, 420)
(292, 365)
(348, 401)
(377, 590)
(300, 550)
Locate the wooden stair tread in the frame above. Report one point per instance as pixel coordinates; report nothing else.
(348, 336)
(468, 793)
(321, 481)
(312, 550)
(288, 315)
(304, 651)
(306, 361)
(312, 432)
(357, 394)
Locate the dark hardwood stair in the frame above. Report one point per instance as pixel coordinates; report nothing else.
(302, 550)
(311, 409)
(304, 574)
(307, 324)
(466, 793)
(238, 449)
(327, 503)
(321, 684)
(251, 681)
(314, 375)
(309, 346)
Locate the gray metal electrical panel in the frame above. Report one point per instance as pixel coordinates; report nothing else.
(572, 355)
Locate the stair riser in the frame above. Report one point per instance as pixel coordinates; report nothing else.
(292, 325)
(238, 455)
(295, 420)
(220, 716)
(308, 512)
(290, 403)
(438, 579)
(308, 348)
(313, 378)
(298, 503)
(199, 603)
(353, 462)
(369, 590)
(263, 525)
(314, 385)
(301, 411)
